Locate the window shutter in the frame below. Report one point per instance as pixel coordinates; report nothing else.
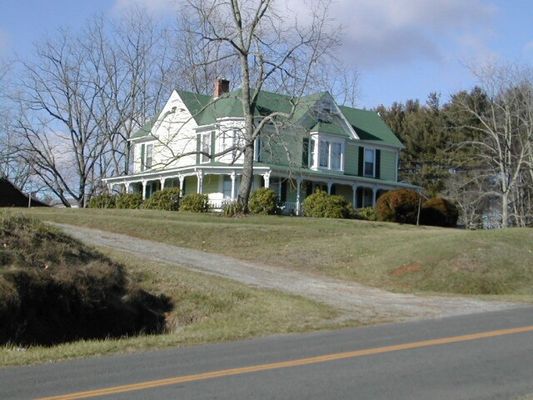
(142, 156)
(361, 160)
(198, 147)
(378, 164)
(284, 191)
(305, 152)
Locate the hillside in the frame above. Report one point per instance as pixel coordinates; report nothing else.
(401, 258)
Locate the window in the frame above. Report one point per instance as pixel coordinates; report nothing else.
(226, 187)
(146, 156)
(336, 150)
(205, 147)
(149, 156)
(330, 154)
(225, 140)
(324, 154)
(369, 162)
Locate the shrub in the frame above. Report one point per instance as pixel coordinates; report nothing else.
(232, 208)
(264, 201)
(322, 205)
(195, 203)
(129, 200)
(166, 199)
(366, 214)
(54, 289)
(104, 200)
(398, 206)
(439, 212)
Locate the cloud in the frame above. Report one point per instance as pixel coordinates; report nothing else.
(154, 7)
(391, 32)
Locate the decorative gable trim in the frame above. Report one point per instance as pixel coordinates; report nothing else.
(337, 111)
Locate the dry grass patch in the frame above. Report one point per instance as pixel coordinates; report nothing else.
(451, 260)
(207, 309)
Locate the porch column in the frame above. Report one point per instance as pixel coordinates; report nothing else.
(374, 195)
(181, 180)
(144, 183)
(266, 177)
(354, 196)
(232, 176)
(330, 184)
(200, 182)
(126, 187)
(162, 180)
(298, 186)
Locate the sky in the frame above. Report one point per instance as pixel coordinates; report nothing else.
(402, 49)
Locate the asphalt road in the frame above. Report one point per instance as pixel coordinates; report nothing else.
(481, 356)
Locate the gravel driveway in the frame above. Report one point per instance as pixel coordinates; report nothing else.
(356, 301)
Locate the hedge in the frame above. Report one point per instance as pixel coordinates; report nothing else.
(322, 205)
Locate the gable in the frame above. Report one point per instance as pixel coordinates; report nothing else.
(343, 121)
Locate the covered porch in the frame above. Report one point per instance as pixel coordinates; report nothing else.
(221, 184)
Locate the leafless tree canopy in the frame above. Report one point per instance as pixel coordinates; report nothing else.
(272, 52)
(506, 140)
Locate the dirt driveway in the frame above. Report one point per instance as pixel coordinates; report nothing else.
(357, 301)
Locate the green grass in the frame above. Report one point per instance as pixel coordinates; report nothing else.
(207, 309)
(401, 258)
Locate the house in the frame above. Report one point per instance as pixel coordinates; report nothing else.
(11, 196)
(190, 145)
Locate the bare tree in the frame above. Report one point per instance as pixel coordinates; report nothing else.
(506, 129)
(272, 52)
(82, 97)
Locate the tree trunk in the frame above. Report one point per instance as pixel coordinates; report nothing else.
(247, 175)
(505, 209)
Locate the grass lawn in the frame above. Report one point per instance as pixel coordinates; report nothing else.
(401, 258)
(207, 309)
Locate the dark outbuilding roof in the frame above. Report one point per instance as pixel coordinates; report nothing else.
(11, 196)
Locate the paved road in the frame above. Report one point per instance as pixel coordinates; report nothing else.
(356, 301)
(362, 365)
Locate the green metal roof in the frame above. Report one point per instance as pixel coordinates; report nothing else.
(206, 110)
(146, 129)
(369, 126)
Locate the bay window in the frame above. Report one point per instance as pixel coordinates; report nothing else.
(324, 154)
(336, 151)
(330, 154)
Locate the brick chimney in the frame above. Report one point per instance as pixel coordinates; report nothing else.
(221, 87)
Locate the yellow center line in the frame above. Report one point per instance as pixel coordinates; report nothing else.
(286, 364)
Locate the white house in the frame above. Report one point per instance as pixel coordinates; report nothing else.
(343, 150)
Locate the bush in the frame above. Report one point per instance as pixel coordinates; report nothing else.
(323, 205)
(439, 212)
(232, 208)
(398, 206)
(54, 289)
(195, 203)
(264, 201)
(129, 200)
(366, 214)
(104, 200)
(166, 199)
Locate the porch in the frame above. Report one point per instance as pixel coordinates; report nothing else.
(221, 185)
